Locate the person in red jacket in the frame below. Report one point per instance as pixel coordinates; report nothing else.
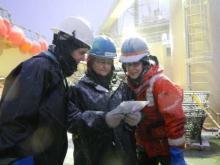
(160, 134)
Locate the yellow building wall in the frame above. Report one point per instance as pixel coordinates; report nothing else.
(176, 63)
(10, 58)
(214, 21)
(204, 48)
(159, 50)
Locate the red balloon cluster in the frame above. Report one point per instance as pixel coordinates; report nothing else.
(16, 38)
(5, 27)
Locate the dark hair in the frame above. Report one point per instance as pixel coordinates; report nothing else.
(154, 58)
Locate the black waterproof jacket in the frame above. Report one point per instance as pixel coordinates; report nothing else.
(33, 112)
(94, 142)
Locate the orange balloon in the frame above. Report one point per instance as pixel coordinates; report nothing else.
(16, 36)
(8, 25)
(3, 28)
(25, 47)
(43, 44)
(36, 48)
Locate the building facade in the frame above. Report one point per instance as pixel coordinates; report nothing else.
(183, 34)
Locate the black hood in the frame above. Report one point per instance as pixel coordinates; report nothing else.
(67, 63)
(63, 46)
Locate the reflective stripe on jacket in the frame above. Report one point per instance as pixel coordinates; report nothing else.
(164, 119)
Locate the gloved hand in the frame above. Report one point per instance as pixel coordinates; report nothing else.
(132, 106)
(177, 156)
(133, 118)
(114, 117)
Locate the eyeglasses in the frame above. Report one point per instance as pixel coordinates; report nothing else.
(104, 61)
(134, 64)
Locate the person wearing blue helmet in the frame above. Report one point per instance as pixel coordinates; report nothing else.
(160, 134)
(108, 135)
(100, 61)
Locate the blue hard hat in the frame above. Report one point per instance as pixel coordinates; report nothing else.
(103, 47)
(133, 49)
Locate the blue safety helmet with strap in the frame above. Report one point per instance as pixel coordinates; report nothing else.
(103, 47)
(135, 49)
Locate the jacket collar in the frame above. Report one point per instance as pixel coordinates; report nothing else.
(91, 83)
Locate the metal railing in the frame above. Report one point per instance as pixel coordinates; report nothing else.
(195, 114)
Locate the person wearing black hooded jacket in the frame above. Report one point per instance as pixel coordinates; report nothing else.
(33, 107)
(104, 139)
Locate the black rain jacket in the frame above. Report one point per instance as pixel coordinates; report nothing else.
(94, 142)
(33, 112)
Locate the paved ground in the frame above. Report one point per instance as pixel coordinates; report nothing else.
(209, 156)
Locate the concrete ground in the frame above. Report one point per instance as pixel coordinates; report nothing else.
(208, 156)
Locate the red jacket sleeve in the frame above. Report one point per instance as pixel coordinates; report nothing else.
(169, 98)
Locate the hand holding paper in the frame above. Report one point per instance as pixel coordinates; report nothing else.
(133, 119)
(114, 117)
(132, 106)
